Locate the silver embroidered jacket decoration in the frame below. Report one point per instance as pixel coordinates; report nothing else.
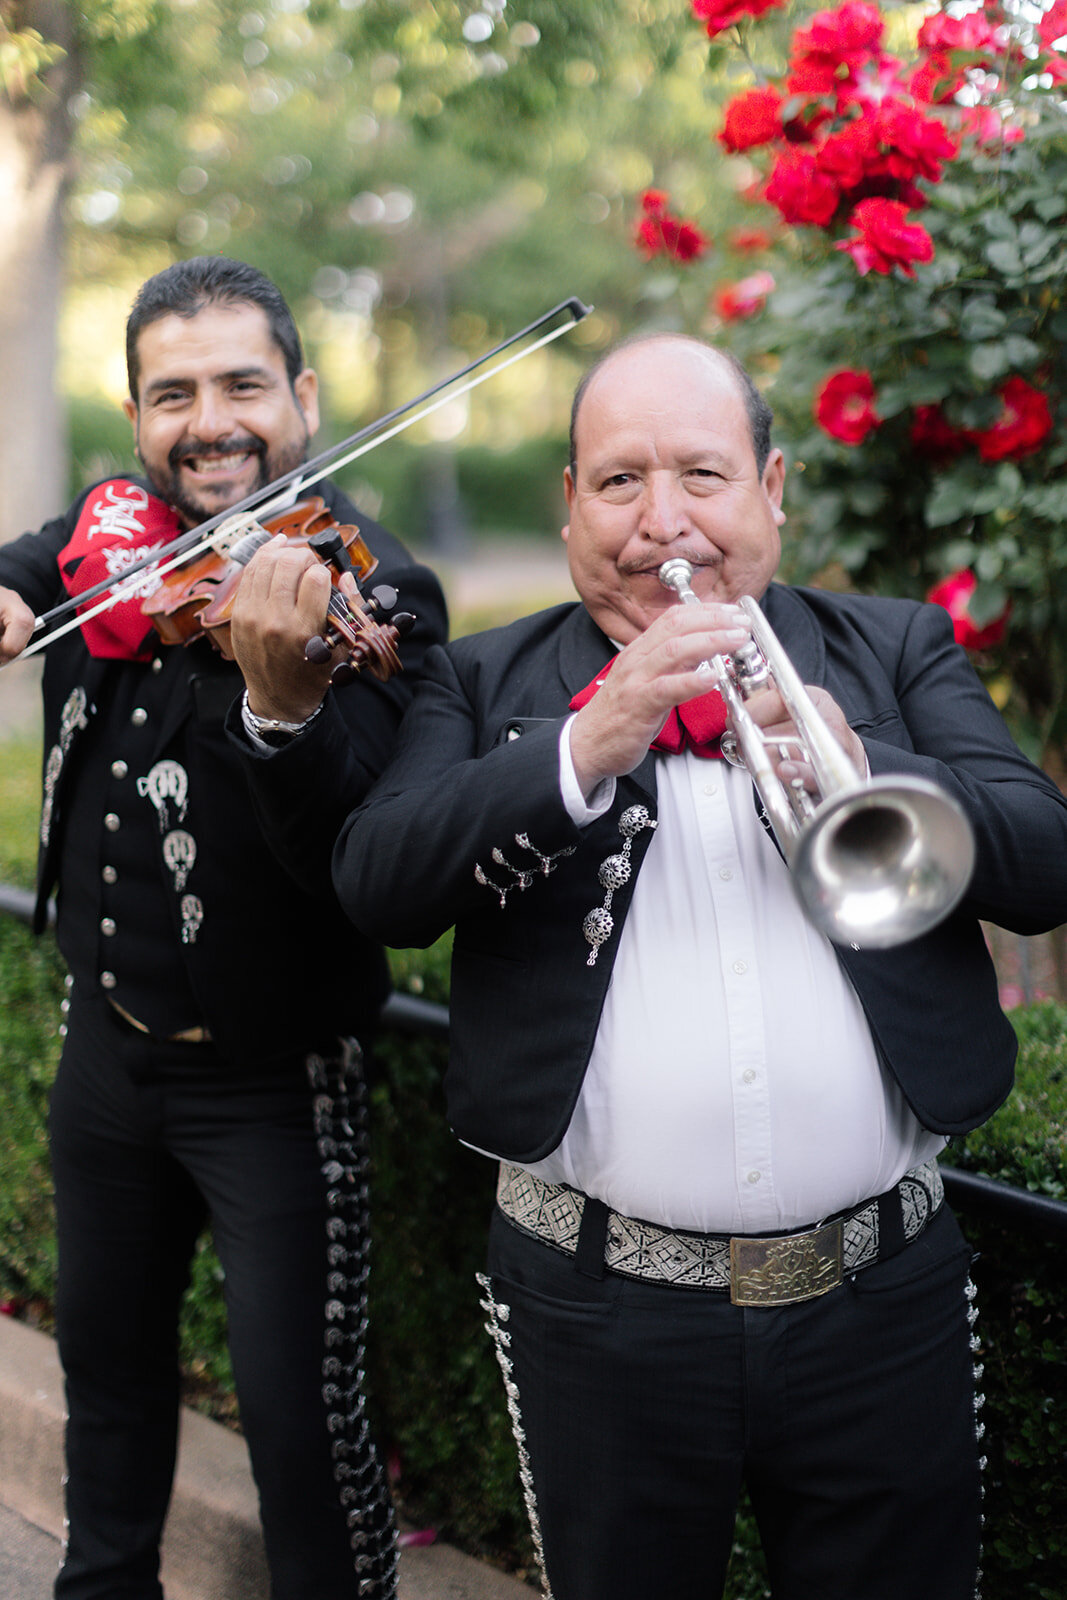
(613, 874)
(521, 876)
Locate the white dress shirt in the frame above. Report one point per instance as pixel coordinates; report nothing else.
(733, 1085)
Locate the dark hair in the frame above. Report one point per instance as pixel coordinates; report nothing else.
(188, 286)
(760, 415)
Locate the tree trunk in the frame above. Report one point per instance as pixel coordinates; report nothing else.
(35, 169)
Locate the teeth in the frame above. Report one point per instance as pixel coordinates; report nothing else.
(217, 463)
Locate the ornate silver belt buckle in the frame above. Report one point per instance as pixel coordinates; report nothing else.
(781, 1272)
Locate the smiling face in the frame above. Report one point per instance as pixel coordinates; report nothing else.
(216, 416)
(665, 467)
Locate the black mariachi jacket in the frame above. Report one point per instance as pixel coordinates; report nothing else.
(478, 836)
(271, 966)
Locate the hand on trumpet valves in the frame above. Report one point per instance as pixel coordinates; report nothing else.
(769, 713)
(655, 672)
(16, 625)
(281, 602)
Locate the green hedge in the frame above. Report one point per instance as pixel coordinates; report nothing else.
(436, 1387)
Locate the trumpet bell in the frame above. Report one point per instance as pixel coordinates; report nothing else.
(883, 862)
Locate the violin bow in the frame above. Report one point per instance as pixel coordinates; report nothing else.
(275, 496)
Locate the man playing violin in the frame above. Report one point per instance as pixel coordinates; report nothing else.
(720, 1254)
(211, 1066)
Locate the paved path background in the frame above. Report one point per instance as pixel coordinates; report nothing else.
(212, 1549)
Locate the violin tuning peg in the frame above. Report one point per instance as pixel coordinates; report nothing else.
(380, 600)
(403, 622)
(317, 651)
(329, 546)
(343, 673)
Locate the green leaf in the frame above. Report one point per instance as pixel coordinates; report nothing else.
(981, 318)
(1003, 255)
(949, 501)
(997, 224)
(1049, 206)
(991, 361)
(987, 602)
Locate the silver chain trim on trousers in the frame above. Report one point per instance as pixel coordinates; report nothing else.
(340, 1113)
(553, 1212)
(979, 1401)
(498, 1314)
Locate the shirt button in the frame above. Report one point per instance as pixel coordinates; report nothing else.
(112, 822)
(740, 967)
(726, 873)
(109, 875)
(754, 1177)
(108, 980)
(749, 1075)
(119, 769)
(711, 788)
(157, 664)
(108, 926)
(139, 716)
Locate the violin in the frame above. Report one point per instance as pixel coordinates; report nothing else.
(183, 550)
(197, 598)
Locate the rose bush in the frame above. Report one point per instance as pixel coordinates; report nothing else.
(907, 178)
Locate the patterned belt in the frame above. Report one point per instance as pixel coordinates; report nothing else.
(773, 1270)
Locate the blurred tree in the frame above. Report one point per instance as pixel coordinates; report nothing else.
(420, 178)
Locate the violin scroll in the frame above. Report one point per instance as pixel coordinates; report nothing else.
(368, 633)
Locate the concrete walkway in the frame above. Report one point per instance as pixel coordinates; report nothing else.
(212, 1549)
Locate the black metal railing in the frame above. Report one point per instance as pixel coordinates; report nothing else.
(1002, 1203)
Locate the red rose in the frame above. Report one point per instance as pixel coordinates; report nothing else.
(1053, 24)
(735, 301)
(751, 119)
(885, 239)
(973, 33)
(748, 241)
(986, 126)
(933, 435)
(936, 80)
(851, 32)
(1024, 424)
(917, 144)
(660, 233)
(850, 154)
(954, 593)
(799, 191)
(830, 51)
(844, 406)
(719, 14)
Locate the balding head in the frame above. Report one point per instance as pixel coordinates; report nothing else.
(760, 415)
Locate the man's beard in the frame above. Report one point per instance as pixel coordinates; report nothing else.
(272, 464)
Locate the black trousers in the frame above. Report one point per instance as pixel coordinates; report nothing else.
(148, 1143)
(641, 1409)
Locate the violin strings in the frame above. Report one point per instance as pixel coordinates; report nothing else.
(329, 463)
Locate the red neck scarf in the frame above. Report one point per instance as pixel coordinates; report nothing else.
(119, 523)
(697, 725)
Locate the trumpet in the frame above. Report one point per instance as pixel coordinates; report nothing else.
(874, 862)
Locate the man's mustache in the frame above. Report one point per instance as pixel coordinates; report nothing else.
(187, 449)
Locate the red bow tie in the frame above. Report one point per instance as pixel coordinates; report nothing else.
(698, 725)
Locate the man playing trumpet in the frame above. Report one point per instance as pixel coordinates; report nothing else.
(720, 1254)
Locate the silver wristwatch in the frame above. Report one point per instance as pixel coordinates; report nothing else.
(272, 730)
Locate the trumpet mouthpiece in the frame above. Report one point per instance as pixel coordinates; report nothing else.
(675, 574)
